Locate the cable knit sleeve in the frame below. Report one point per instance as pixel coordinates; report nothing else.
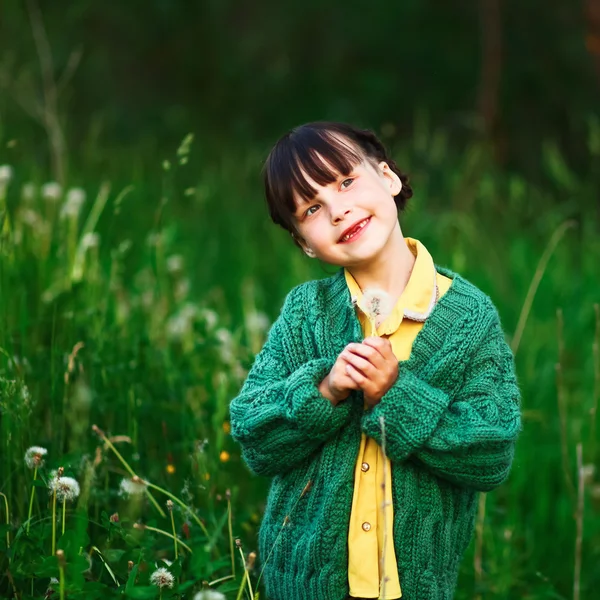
(467, 436)
(279, 417)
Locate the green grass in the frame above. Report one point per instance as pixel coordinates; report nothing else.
(151, 348)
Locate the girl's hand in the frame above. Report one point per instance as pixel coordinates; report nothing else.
(338, 383)
(373, 366)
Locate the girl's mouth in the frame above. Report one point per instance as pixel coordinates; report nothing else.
(356, 233)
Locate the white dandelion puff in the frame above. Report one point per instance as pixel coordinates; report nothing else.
(210, 318)
(209, 595)
(257, 322)
(28, 191)
(73, 203)
(90, 240)
(66, 488)
(162, 578)
(175, 263)
(34, 456)
(51, 191)
(182, 322)
(377, 305)
(129, 487)
(76, 196)
(6, 174)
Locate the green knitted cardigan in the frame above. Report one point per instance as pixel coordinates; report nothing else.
(451, 421)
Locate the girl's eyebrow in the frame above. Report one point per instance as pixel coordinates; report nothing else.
(299, 209)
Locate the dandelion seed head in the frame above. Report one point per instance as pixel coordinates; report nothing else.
(28, 191)
(210, 318)
(175, 263)
(34, 456)
(51, 191)
(90, 240)
(6, 174)
(73, 203)
(257, 322)
(377, 303)
(162, 578)
(129, 487)
(209, 595)
(66, 488)
(76, 196)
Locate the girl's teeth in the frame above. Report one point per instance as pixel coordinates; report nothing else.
(349, 235)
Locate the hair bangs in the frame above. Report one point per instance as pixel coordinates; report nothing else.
(318, 153)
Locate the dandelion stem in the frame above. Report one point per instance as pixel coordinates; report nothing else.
(54, 523)
(31, 499)
(246, 572)
(285, 522)
(162, 532)
(385, 523)
(174, 534)
(579, 522)
(181, 503)
(7, 520)
(64, 515)
(596, 397)
(126, 465)
(61, 573)
(231, 537)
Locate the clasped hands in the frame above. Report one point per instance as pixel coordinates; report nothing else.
(370, 366)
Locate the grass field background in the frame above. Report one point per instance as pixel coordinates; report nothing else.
(136, 297)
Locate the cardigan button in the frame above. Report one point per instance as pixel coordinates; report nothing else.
(366, 526)
(364, 466)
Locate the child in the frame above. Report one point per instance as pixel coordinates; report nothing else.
(377, 446)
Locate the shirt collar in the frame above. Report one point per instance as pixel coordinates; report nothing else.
(419, 295)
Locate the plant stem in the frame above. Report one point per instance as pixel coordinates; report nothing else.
(285, 522)
(384, 506)
(64, 515)
(535, 282)
(174, 534)
(246, 572)
(129, 469)
(61, 572)
(579, 521)
(54, 523)
(31, 499)
(594, 409)
(162, 532)
(231, 538)
(181, 503)
(7, 520)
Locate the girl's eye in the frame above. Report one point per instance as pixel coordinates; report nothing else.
(307, 214)
(343, 182)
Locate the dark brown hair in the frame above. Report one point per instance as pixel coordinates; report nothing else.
(299, 148)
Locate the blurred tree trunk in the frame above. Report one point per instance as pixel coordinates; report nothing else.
(592, 39)
(491, 66)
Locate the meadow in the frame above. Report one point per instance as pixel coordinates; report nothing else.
(132, 303)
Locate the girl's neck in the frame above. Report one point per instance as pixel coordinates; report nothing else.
(390, 270)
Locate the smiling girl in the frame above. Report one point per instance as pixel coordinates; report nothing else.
(434, 382)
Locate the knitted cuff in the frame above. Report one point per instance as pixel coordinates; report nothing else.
(411, 410)
(311, 411)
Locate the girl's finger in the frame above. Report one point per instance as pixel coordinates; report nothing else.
(354, 374)
(359, 363)
(368, 353)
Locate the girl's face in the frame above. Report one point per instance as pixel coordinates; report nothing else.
(366, 193)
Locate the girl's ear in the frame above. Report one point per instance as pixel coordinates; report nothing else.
(392, 179)
(303, 245)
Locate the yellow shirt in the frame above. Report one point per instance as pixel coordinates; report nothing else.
(366, 531)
